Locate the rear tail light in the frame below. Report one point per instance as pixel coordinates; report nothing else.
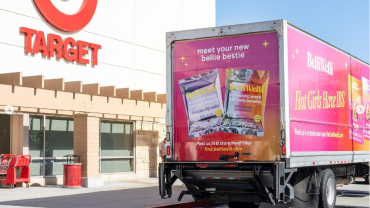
(168, 150)
(283, 150)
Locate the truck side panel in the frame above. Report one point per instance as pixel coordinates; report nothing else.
(325, 96)
(226, 98)
(360, 94)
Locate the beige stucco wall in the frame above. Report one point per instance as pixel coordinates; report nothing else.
(87, 143)
(16, 134)
(147, 157)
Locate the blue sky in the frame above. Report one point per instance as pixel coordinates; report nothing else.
(343, 23)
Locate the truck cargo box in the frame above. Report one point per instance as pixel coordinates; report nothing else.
(263, 112)
(265, 91)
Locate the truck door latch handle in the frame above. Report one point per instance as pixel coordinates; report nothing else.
(226, 157)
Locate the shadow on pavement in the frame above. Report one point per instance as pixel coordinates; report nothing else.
(352, 193)
(351, 207)
(135, 198)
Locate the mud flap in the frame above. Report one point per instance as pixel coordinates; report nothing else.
(306, 185)
(162, 183)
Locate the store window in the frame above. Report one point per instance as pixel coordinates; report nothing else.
(36, 167)
(58, 137)
(36, 139)
(117, 147)
(50, 138)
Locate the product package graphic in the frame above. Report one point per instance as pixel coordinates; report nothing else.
(245, 101)
(366, 103)
(355, 89)
(203, 103)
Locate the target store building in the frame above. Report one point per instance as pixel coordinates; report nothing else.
(87, 77)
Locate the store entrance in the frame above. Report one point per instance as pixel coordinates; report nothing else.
(4, 134)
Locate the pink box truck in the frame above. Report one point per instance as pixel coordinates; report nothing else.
(263, 112)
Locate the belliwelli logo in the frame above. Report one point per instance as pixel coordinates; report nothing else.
(68, 48)
(65, 22)
(248, 88)
(319, 63)
(201, 91)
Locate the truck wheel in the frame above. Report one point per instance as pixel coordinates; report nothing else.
(351, 179)
(328, 190)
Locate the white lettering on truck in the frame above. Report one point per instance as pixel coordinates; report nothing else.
(319, 63)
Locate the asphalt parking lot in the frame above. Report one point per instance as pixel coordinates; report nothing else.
(138, 194)
(349, 196)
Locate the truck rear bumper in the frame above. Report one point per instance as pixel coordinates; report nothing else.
(227, 181)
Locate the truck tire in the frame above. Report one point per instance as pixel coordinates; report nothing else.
(351, 179)
(328, 189)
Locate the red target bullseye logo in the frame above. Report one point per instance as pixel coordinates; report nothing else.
(65, 22)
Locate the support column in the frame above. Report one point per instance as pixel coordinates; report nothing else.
(18, 134)
(19, 142)
(86, 144)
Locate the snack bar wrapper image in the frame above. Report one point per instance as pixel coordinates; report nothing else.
(203, 103)
(355, 99)
(245, 101)
(366, 103)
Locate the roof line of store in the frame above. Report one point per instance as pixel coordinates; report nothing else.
(124, 41)
(19, 14)
(11, 45)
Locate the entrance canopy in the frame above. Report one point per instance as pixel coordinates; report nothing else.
(34, 94)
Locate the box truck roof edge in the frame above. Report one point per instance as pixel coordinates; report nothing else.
(174, 35)
(204, 33)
